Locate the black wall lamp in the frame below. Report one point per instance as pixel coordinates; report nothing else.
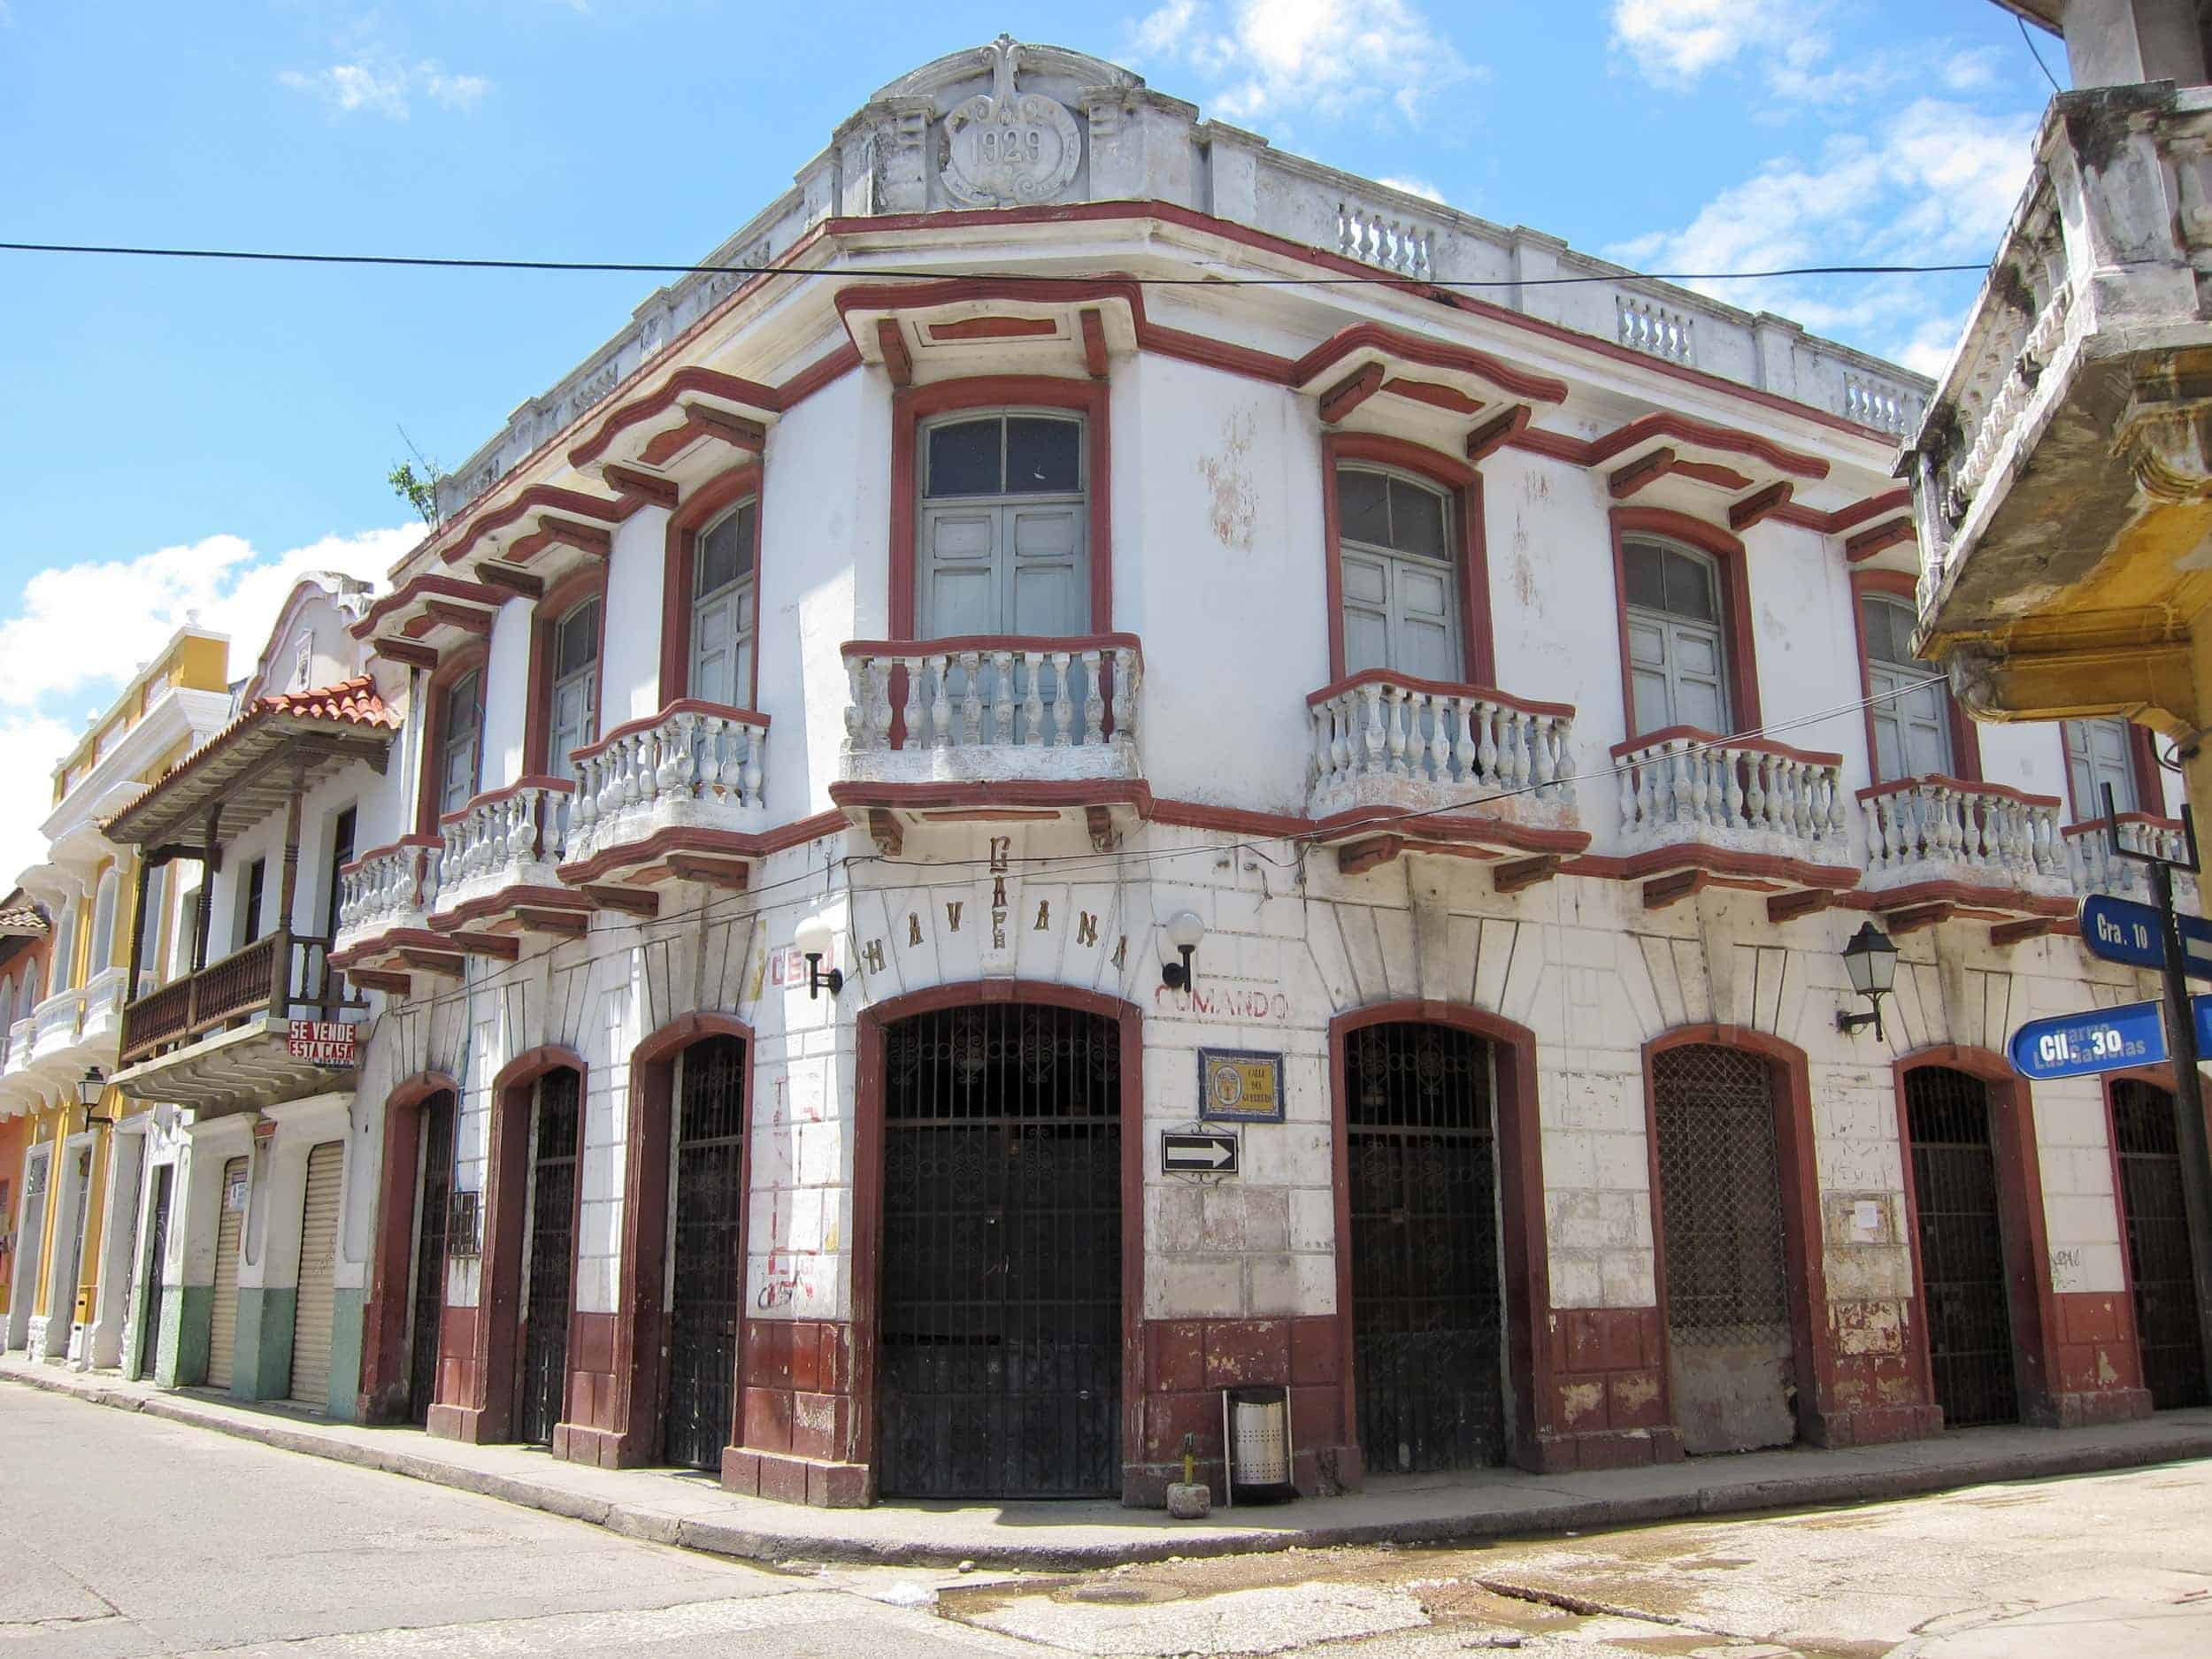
(1183, 931)
(1871, 962)
(813, 940)
(90, 1087)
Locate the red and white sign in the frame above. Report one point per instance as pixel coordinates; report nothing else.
(325, 1042)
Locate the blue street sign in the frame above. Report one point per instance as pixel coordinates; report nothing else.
(2080, 1045)
(2121, 930)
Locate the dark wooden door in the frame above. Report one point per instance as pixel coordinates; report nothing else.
(1000, 1337)
(542, 1376)
(1962, 1242)
(1421, 1155)
(706, 1230)
(156, 1253)
(433, 1206)
(2160, 1274)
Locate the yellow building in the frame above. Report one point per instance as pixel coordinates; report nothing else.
(81, 1175)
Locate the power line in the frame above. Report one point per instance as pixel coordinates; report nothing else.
(2028, 41)
(632, 267)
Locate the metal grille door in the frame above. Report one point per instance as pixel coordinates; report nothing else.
(1962, 1247)
(222, 1327)
(545, 1302)
(1001, 1335)
(706, 1230)
(1422, 1165)
(433, 1209)
(157, 1254)
(1731, 1363)
(2159, 1269)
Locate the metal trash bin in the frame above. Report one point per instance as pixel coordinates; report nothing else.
(1255, 1430)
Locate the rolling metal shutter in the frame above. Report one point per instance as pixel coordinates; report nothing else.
(222, 1334)
(319, 1264)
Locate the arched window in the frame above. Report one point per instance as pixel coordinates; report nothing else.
(1004, 530)
(1912, 729)
(460, 757)
(1677, 660)
(572, 711)
(66, 947)
(1398, 565)
(723, 607)
(103, 953)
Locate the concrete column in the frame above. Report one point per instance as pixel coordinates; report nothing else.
(2116, 43)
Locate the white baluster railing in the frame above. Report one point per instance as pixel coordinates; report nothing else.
(386, 889)
(1375, 238)
(1647, 325)
(1882, 406)
(502, 839)
(1456, 743)
(1938, 827)
(2096, 869)
(1028, 700)
(694, 764)
(1684, 785)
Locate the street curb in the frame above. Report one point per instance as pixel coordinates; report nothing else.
(1813, 1490)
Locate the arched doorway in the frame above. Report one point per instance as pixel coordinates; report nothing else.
(2160, 1277)
(1732, 1365)
(1958, 1237)
(999, 1335)
(1421, 1168)
(548, 1255)
(426, 1302)
(706, 1251)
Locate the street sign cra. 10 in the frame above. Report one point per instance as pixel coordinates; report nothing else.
(2107, 1039)
(2121, 930)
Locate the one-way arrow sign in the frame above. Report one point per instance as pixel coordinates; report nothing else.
(1198, 1154)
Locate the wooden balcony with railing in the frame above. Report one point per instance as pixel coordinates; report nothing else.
(284, 975)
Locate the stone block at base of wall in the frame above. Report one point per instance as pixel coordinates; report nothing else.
(345, 1354)
(816, 1481)
(263, 1369)
(187, 1316)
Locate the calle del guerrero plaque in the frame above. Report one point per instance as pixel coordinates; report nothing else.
(1240, 1086)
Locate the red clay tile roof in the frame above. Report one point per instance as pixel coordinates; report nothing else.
(353, 701)
(22, 921)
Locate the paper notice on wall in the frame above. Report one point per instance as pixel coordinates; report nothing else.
(1869, 1224)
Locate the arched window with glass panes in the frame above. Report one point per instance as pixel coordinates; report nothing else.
(1677, 647)
(460, 757)
(1004, 526)
(572, 694)
(1399, 573)
(724, 607)
(1908, 704)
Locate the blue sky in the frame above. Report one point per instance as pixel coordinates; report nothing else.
(185, 436)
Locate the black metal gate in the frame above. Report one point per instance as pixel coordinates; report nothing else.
(999, 1339)
(545, 1302)
(707, 1243)
(432, 1210)
(157, 1253)
(1962, 1246)
(2159, 1269)
(1732, 1365)
(1421, 1154)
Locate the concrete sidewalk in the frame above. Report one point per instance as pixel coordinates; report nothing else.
(692, 1512)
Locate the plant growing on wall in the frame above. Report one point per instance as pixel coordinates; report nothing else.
(419, 490)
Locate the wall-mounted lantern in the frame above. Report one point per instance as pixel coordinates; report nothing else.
(1183, 931)
(90, 1087)
(1871, 962)
(812, 940)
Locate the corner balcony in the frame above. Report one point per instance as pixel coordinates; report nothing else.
(498, 873)
(72, 1030)
(1699, 810)
(2063, 465)
(1490, 774)
(1941, 847)
(991, 728)
(2096, 869)
(216, 1040)
(673, 796)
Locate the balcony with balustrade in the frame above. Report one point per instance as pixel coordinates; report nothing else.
(993, 727)
(2060, 473)
(218, 1039)
(1404, 765)
(1938, 847)
(675, 796)
(1698, 810)
(2097, 868)
(495, 873)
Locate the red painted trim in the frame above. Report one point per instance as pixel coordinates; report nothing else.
(1803, 1243)
(1843, 518)
(1721, 862)
(1525, 1267)
(683, 383)
(1437, 688)
(1400, 347)
(953, 644)
(726, 490)
(993, 329)
(1070, 792)
(640, 1327)
(2008, 900)
(533, 498)
(1728, 440)
(2020, 1217)
(680, 705)
(436, 713)
(1966, 786)
(2095, 826)
(870, 1029)
(1966, 741)
(1463, 485)
(1735, 600)
(1698, 734)
(911, 406)
(421, 588)
(1437, 395)
(1880, 539)
(382, 1383)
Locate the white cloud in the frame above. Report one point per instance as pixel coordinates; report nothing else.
(1329, 58)
(81, 630)
(1675, 42)
(1414, 187)
(386, 87)
(1937, 187)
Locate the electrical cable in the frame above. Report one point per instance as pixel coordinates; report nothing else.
(650, 268)
(2028, 41)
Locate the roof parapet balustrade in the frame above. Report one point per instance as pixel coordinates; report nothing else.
(2069, 404)
(675, 796)
(1490, 773)
(992, 724)
(2097, 871)
(1698, 808)
(1939, 846)
(498, 868)
(216, 1040)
